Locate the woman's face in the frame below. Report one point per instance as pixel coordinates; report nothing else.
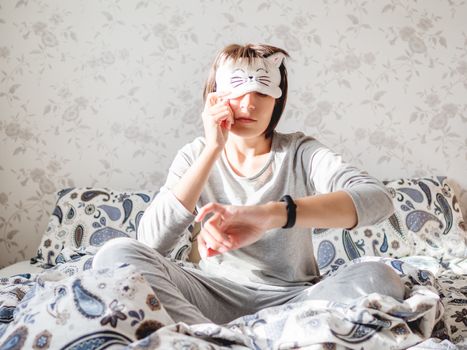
(252, 113)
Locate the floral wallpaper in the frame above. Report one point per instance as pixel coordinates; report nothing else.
(103, 93)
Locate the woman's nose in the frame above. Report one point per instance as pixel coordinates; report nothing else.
(248, 101)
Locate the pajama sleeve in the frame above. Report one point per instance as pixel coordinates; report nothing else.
(328, 172)
(166, 218)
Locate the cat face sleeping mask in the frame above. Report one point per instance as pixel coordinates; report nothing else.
(240, 77)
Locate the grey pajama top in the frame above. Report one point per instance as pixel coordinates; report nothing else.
(298, 165)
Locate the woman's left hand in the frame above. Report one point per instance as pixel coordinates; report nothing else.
(230, 227)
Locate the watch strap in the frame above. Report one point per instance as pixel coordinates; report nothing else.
(291, 211)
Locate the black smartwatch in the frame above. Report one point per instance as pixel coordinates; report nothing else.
(291, 211)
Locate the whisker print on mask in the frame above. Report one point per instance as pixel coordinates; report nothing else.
(264, 82)
(237, 79)
(238, 84)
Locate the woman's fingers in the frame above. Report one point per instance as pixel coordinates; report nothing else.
(218, 108)
(212, 228)
(214, 238)
(221, 116)
(220, 113)
(211, 231)
(224, 119)
(212, 207)
(203, 250)
(217, 119)
(214, 97)
(212, 243)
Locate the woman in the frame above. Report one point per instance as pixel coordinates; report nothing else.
(265, 191)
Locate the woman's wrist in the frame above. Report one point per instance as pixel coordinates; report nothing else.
(212, 152)
(276, 214)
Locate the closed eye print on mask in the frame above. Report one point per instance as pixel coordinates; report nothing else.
(240, 76)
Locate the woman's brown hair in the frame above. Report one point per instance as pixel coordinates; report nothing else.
(250, 52)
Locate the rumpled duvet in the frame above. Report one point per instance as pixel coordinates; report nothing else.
(97, 309)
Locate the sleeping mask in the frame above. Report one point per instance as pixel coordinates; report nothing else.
(261, 75)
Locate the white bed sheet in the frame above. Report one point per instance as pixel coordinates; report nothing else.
(20, 267)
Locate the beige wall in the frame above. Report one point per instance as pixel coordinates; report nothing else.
(104, 92)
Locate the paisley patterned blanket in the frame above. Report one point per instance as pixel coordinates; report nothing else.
(73, 307)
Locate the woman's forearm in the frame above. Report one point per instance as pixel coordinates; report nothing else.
(190, 186)
(164, 220)
(328, 210)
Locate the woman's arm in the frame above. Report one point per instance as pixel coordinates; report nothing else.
(171, 212)
(217, 118)
(232, 227)
(323, 211)
(346, 197)
(329, 173)
(190, 186)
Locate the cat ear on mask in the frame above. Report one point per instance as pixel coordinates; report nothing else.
(276, 59)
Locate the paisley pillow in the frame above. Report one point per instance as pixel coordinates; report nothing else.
(431, 213)
(85, 218)
(427, 221)
(335, 247)
(106, 307)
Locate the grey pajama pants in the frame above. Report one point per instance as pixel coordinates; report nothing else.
(193, 296)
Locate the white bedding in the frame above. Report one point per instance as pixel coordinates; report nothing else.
(19, 268)
(311, 325)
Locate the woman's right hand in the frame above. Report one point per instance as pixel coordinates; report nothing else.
(217, 119)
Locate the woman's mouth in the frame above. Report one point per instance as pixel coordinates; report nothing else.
(244, 120)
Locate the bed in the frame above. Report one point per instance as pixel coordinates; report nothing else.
(57, 301)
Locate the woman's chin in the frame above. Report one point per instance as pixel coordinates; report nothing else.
(244, 132)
